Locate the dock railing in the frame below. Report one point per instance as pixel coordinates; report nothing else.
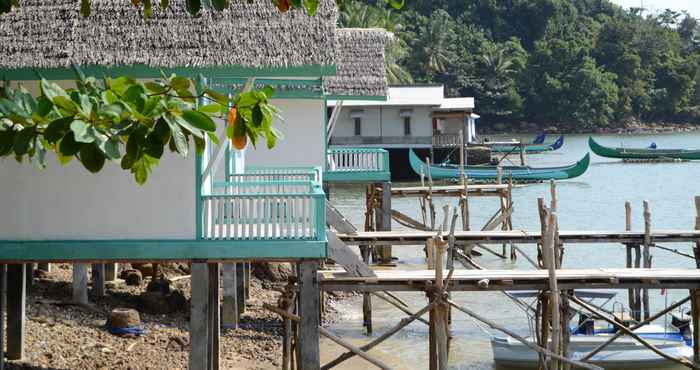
(446, 140)
(359, 163)
(267, 204)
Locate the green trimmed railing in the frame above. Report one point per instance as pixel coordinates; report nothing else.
(265, 210)
(357, 164)
(254, 174)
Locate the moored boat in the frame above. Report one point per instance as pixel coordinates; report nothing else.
(529, 148)
(484, 173)
(643, 153)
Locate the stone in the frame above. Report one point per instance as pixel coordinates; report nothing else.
(272, 271)
(159, 285)
(145, 268)
(124, 318)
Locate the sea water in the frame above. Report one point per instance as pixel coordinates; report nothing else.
(594, 201)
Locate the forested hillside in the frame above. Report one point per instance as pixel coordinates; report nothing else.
(574, 63)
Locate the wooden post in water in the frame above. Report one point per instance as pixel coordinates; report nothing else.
(695, 293)
(309, 358)
(384, 221)
(16, 310)
(80, 283)
(441, 328)
(509, 219)
(554, 294)
(628, 250)
(522, 153)
(647, 254)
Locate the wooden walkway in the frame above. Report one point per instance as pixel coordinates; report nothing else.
(450, 190)
(519, 237)
(496, 280)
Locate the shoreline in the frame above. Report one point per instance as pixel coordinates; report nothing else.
(631, 128)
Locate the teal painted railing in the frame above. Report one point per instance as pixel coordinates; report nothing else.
(265, 210)
(253, 174)
(357, 164)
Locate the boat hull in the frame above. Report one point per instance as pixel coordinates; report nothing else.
(485, 173)
(624, 353)
(642, 153)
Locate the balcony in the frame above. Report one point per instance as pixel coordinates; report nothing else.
(357, 165)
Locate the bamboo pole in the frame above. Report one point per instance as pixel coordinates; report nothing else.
(626, 331)
(550, 261)
(647, 254)
(509, 220)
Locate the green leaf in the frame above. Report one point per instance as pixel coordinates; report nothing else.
(85, 8)
(136, 141)
(178, 136)
(82, 132)
(210, 109)
(23, 140)
(57, 129)
(180, 83)
(218, 97)
(65, 103)
(246, 100)
(142, 168)
(68, 145)
(127, 162)
(154, 145)
(199, 145)
(136, 95)
(7, 139)
(214, 139)
(44, 106)
(110, 148)
(92, 158)
(257, 116)
(220, 4)
(147, 9)
(397, 4)
(199, 120)
(51, 90)
(155, 87)
(311, 6)
(269, 91)
(193, 6)
(121, 84)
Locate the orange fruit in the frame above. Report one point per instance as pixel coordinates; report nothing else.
(240, 141)
(283, 5)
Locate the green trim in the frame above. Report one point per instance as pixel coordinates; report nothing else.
(157, 250)
(143, 71)
(199, 216)
(365, 176)
(284, 88)
(355, 97)
(325, 131)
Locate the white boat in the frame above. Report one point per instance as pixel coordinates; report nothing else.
(623, 353)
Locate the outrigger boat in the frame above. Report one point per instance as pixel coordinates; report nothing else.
(624, 352)
(643, 153)
(484, 173)
(529, 148)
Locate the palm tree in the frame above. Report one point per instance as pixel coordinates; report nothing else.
(437, 42)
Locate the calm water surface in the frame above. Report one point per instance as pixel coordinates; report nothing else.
(594, 201)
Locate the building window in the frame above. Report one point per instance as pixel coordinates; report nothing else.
(358, 126)
(407, 126)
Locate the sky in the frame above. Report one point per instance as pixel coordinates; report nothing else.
(692, 6)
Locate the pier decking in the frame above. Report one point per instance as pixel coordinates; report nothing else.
(475, 190)
(497, 280)
(519, 237)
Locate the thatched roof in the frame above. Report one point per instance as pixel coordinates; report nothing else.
(359, 63)
(52, 33)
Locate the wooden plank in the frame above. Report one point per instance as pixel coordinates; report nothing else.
(335, 219)
(309, 314)
(16, 310)
(345, 257)
(229, 311)
(98, 279)
(14, 251)
(80, 283)
(199, 312)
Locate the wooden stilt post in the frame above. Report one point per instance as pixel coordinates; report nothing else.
(248, 268)
(632, 303)
(308, 311)
(16, 310)
(29, 275)
(229, 309)
(383, 221)
(550, 260)
(98, 279)
(240, 288)
(695, 293)
(213, 322)
(80, 283)
(522, 153)
(111, 270)
(199, 322)
(647, 254)
(441, 329)
(3, 304)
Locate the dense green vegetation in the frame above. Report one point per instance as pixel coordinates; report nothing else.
(587, 63)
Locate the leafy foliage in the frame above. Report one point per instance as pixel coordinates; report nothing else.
(581, 63)
(123, 120)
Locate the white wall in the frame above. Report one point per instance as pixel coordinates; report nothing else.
(68, 202)
(384, 121)
(303, 143)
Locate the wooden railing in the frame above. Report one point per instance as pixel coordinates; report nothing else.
(357, 160)
(446, 140)
(265, 210)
